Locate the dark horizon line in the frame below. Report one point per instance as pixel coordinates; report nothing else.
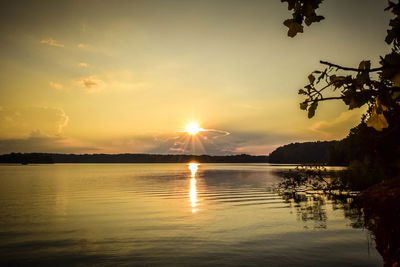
(27, 158)
(138, 153)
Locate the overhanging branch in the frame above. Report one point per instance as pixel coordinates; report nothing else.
(347, 68)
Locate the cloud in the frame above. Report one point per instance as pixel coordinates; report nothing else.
(83, 64)
(111, 81)
(340, 126)
(21, 122)
(91, 83)
(82, 46)
(205, 143)
(37, 142)
(51, 42)
(56, 85)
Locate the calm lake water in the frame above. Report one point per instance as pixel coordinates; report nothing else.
(168, 215)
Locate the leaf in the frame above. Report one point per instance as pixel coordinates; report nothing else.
(377, 121)
(302, 92)
(395, 95)
(294, 27)
(303, 105)
(312, 108)
(311, 78)
(362, 78)
(380, 107)
(321, 76)
(391, 65)
(365, 65)
(313, 18)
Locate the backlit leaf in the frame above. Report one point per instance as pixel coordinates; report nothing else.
(377, 121)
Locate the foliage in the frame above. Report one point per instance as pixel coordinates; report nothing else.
(303, 11)
(312, 178)
(379, 88)
(302, 153)
(372, 156)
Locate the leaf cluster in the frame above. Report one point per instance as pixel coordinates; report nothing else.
(393, 34)
(303, 12)
(379, 88)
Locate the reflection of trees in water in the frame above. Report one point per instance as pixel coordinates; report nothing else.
(376, 209)
(308, 208)
(312, 189)
(313, 208)
(381, 204)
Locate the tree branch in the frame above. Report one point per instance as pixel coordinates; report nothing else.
(323, 99)
(346, 68)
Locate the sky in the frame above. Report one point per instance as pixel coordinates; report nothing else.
(120, 76)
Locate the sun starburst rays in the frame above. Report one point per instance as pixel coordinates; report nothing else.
(192, 138)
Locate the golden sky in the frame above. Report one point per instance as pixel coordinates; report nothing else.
(126, 76)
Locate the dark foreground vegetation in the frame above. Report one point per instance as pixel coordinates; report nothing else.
(38, 158)
(371, 156)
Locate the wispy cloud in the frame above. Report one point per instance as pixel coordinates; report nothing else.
(50, 41)
(55, 85)
(91, 83)
(83, 65)
(339, 127)
(82, 46)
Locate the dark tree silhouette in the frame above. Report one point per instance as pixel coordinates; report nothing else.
(372, 149)
(374, 145)
(354, 85)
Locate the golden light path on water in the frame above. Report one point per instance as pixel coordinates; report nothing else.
(193, 167)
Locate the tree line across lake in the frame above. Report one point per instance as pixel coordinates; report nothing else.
(35, 158)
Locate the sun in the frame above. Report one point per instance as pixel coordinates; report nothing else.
(193, 128)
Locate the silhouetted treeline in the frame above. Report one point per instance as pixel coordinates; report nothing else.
(304, 153)
(27, 158)
(370, 154)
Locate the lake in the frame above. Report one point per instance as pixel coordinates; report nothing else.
(171, 215)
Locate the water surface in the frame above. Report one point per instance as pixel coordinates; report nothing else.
(168, 215)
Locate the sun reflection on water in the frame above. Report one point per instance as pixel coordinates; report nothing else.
(193, 167)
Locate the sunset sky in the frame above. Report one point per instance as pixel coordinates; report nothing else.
(128, 76)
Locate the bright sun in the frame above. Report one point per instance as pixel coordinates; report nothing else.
(193, 128)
